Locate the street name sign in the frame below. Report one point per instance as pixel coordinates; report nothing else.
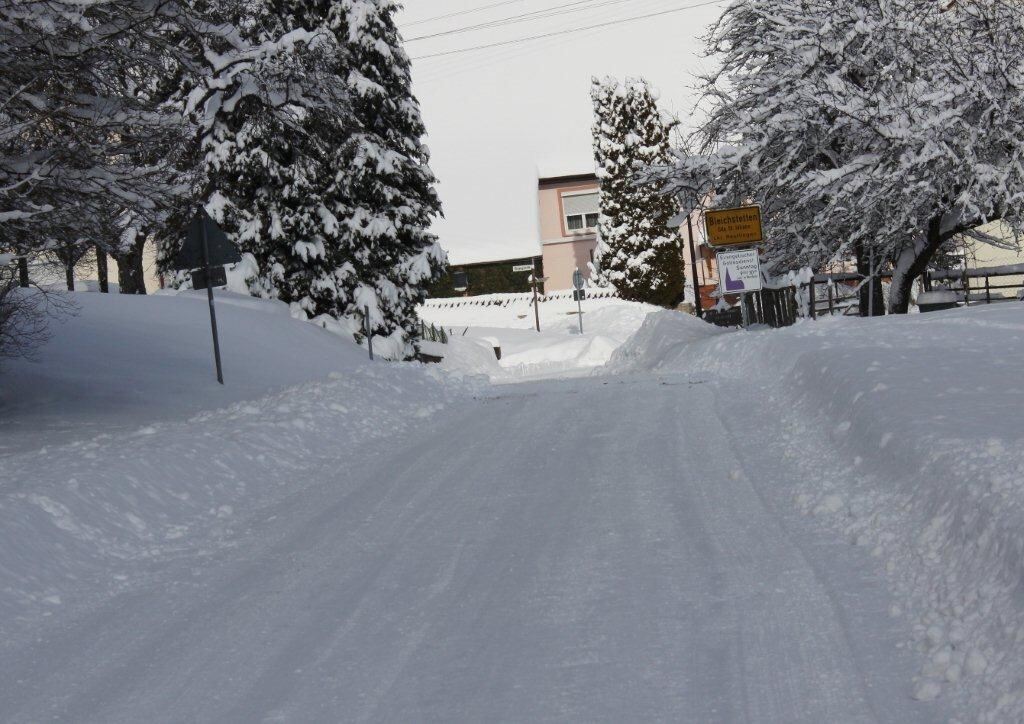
(739, 271)
(734, 227)
(218, 278)
(522, 268)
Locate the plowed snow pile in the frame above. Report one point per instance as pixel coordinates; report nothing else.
(478, 325)
(119, 450)
(904, 435)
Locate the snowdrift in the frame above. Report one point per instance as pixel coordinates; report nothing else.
(122, 361)
(904, 435)
(559, 348)
(127, 454)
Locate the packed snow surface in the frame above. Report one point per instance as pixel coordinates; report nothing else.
(778, 526)
(903, 436)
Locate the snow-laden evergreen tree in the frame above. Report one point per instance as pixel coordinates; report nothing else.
(860, 127)
(637, 252)
(383, 188)
(261, 172)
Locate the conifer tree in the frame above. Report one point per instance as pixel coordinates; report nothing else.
(637, 252)
(383, 186)
(261, 170)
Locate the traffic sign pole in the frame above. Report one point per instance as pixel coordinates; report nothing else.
(577, 282)
(213, 312)
(697, 304)
(536, 304)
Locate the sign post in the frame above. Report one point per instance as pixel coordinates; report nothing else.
(205, 252)
(369, 329)
(209, 299)
(532, 268)
(739, 271)
(697, 304)
(536, 302)
(580, 294)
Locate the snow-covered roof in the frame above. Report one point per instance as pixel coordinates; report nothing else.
(558, 170)
(493, 252)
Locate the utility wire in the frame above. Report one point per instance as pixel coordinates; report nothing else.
(516, 41)
(446, 68)
(461, 12)
(551, 12)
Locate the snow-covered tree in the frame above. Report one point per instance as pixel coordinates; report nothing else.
(72, 121)
(383, 188)
(860, 127)
(637, 252)
(258, 170)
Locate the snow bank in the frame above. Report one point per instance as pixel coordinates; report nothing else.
(128, 453)
(904, 435)
(558, 349)
(663, 339)
(124, 360)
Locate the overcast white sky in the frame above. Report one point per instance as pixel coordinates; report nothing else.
(495, 116)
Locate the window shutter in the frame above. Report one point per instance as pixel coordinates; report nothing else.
(582, 204)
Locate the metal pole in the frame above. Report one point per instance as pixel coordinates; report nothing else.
(744, 312)
(209, 298)
(369, 330)
(579, 306)
(697, 306)
(871, 282)
(536, 304)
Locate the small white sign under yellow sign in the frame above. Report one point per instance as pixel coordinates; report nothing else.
(739, 271)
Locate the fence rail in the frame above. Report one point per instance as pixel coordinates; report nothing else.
(507, 300)
(959, 281)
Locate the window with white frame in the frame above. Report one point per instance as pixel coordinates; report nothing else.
(581, 211)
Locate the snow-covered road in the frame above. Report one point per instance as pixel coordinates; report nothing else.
(608, 549)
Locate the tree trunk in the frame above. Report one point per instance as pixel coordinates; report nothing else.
(23, 272)
(868, 289)
(69, 276)
(911, 263)
(101, 270)
(130, 275)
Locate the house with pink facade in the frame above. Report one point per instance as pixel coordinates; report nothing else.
(567, 219)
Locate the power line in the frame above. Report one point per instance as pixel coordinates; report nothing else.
(516, 41)
(523, 17)
(446, 68)
(461, 12)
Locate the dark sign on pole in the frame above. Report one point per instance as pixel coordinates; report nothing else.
(220, 250)
(206, 250)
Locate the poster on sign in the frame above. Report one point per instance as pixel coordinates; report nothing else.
(739, 271)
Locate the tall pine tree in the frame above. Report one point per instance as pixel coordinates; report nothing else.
(637, 253)
(383, 186)
(261, 171)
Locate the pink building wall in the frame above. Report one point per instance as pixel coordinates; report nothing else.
(564, 250)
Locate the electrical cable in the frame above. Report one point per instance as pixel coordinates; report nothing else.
(554, 11)
(460, 12)
(516, 41)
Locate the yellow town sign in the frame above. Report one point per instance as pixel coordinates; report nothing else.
(732, 227)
